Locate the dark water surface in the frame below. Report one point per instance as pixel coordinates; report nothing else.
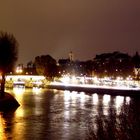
(64, 115)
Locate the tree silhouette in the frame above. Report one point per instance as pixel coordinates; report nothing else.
(47, 66)
(8, 56)
(113, 64)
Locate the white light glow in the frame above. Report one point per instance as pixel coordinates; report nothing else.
(95, 98)
(119, 103)
(19, 90)
(106, 99)
(65, 79)
(74, 96)
(67, 95)
(82, 98)
(27, 77)
(36, 90)
(128, 99)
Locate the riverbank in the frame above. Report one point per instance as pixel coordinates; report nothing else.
(98, 89)
(8, 102)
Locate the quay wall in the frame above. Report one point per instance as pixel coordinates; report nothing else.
(109, 91)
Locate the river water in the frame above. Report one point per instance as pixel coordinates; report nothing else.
(63, 115)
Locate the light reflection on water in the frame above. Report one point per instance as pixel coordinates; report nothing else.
(106, 101)
(95, 98)
(119, 102)
(2, 126)
(63, 115)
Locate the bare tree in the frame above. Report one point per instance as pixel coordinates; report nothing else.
(8, 56)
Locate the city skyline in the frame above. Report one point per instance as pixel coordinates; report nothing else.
(84, 27)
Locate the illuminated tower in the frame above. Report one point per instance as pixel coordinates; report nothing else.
(71, 56)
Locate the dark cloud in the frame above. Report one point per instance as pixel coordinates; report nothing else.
(86, 27)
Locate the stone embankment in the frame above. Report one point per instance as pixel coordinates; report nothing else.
(99, 90)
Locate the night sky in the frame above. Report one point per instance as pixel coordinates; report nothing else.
(85, 27)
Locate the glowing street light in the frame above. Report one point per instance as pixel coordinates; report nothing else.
(19, 69)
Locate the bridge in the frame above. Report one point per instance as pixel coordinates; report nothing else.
(41, 81)
(25, 80)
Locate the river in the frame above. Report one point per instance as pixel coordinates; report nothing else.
(64, 115)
